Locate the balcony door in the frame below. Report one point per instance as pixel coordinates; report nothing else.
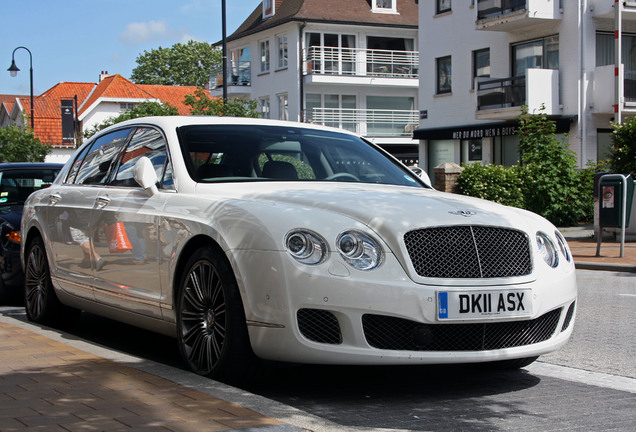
(537, 54)
(331, 53)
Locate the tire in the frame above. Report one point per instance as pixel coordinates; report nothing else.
(41, 304)
(211, 329)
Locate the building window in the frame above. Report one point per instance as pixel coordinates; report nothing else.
(240, 69)
(281, 41)
(443, 75)
(384, 6)
(268, 8)
(481, 64)
(265, 56)
(537, 54)
(126, 106)
(283, 107)
(264, 107)
(443, 6)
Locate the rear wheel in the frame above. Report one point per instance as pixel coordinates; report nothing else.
(211, 328)
(41, 304)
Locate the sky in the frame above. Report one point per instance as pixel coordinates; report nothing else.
(74, 40)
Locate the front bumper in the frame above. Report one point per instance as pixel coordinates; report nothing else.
(332, 314)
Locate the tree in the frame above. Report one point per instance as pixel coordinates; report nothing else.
(202, 104)
(20, 145)
(144, 109)
(182, 64)
(552, 185)
(622, 156)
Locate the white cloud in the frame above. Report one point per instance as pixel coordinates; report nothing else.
(137, 33)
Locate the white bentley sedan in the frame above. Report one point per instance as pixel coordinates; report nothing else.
(249, 239)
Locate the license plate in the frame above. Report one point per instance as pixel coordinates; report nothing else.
(464, 305)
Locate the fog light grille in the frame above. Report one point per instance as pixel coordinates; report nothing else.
(392, 333)
(319, 325)
(469, 252)
(568, 317)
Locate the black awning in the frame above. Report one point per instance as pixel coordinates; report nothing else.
(485, 130)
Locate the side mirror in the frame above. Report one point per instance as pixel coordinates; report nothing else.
(421, 174)
(145, 175)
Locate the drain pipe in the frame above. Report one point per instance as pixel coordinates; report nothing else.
(301, 96)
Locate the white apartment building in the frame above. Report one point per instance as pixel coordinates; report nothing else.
(351, 64)
(481, 60)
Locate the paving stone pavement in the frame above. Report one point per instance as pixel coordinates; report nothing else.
(47, 385)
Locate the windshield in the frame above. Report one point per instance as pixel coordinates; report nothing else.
(222, 153)
(17, 184)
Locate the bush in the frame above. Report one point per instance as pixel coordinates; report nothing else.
(623, 153)
(492, 182)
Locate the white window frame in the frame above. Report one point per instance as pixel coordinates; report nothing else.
(283, 106)
(265, 107)
(384, 6)
(264, 55)
(269, 8)
(283, 52)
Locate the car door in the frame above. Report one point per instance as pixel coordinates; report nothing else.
(125, 229)
(70, 210)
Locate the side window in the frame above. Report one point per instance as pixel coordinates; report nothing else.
(147, 142)
(95, 162)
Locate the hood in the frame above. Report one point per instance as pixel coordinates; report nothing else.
(11, 214)
(389, 210)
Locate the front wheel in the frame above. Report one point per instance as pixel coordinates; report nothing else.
(211, 328)
(41, 304)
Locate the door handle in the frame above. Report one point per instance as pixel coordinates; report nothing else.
(102, 201)
(54, 198)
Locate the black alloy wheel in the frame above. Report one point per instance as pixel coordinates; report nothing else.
(41, 304)
(211, 327)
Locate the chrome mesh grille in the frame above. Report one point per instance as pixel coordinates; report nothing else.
(392, 333)
(319, 326)
(469, 252)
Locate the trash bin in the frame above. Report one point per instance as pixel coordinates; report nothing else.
(611, 200)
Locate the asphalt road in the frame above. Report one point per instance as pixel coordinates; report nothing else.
(588, 385)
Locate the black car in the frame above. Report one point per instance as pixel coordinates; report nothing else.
(17, 182)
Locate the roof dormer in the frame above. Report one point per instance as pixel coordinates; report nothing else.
(384, 6)
(269, 8)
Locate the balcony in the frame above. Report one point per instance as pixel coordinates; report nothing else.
(360, 66)
(239, 79)
(605, 10)
(370, 123)
(510, 15)
(604, 91)
(502, 98)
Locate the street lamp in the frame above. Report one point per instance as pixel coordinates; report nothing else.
(13, 70)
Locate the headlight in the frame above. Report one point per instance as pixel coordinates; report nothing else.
(563, 246)
(547, 250)
(359, 250)
(306, 246)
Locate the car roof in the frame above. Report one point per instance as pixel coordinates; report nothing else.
(177, 121)
(21, 165)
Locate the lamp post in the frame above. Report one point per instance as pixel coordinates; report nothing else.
(13, 70)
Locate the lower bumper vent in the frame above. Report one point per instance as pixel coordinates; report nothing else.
(319, 325)
(392, 333)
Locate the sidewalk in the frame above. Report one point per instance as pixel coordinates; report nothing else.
(49, 384)
(583, 246)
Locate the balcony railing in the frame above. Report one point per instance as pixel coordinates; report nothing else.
(239, 74)
(360, 62)
(371, 122)
(494, 8)
(501, 93)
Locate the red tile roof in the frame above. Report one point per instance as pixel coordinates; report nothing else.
(48, 109)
